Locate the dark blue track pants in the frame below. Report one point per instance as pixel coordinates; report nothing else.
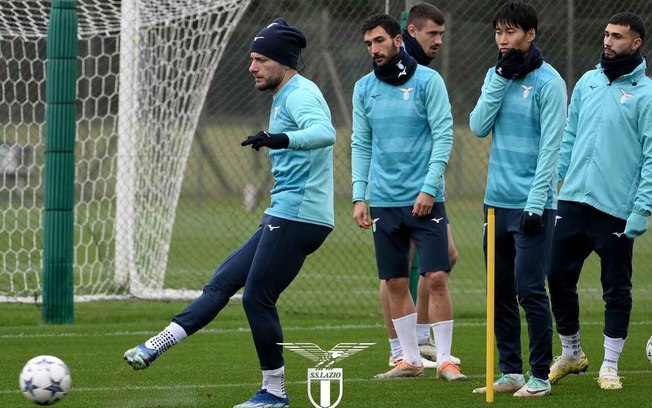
(264, 265)
(521, 263)
(580, 230)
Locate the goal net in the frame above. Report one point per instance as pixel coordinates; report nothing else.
(144, 70)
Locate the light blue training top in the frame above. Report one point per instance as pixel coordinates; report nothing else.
(303, 173)
(606, 154)
(526, 117)
(402, 138)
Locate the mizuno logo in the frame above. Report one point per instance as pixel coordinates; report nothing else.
(624, 95)
(406, 93)
(276, 109)
(618, 234)
(526, 91)
(373, 224)
(375, 96)
(273, 227)
(593, 87)
(437, 219)
(258, 38)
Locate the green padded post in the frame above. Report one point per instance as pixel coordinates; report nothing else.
(414, 275)
(59, 173)
(403, 19)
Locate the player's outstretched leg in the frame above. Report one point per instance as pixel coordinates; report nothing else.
(140, 357)
(143, 355)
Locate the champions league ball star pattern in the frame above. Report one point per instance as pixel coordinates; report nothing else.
(45, 380)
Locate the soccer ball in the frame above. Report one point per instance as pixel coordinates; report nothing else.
(45, 380)
(648, 350)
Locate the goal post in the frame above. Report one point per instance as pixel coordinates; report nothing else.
(125, 268)
(145, 67)
(59, 184)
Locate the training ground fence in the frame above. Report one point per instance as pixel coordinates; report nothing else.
(210, 192)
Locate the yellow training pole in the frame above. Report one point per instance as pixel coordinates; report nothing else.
(491, 247)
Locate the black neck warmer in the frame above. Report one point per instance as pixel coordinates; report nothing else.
(414, 49)
(397, 70)
(618, 67)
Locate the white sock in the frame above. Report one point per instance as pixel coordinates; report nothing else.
(612, 349)
(274, 382)
(570, 346)
(423, 333)
(171, 335)
(406, 329)
(395, 347)
(443, 340)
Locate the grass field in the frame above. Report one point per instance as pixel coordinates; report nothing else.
(217, 367)
(333, 300)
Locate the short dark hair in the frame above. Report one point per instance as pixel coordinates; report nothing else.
(423, 12)
(385, 21)
(516, 14)
(634, 21)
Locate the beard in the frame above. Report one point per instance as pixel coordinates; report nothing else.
(270, 83)
(387, 57)
(617, 55)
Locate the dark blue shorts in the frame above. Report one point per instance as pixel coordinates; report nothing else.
(393, 227)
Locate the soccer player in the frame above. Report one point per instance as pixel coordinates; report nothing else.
(422, 38)
(523, 105)
(401, 141)
(300, 217)
(606, 198)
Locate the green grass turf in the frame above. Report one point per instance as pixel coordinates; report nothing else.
(217, 367)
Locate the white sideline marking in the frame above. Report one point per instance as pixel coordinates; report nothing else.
(208, 331)
(246, 330)
(257, 383)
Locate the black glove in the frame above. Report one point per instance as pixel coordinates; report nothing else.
(509, 63)
(271, 140)
(531, 223)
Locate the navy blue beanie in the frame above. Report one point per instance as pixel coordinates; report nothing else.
(280, 42)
